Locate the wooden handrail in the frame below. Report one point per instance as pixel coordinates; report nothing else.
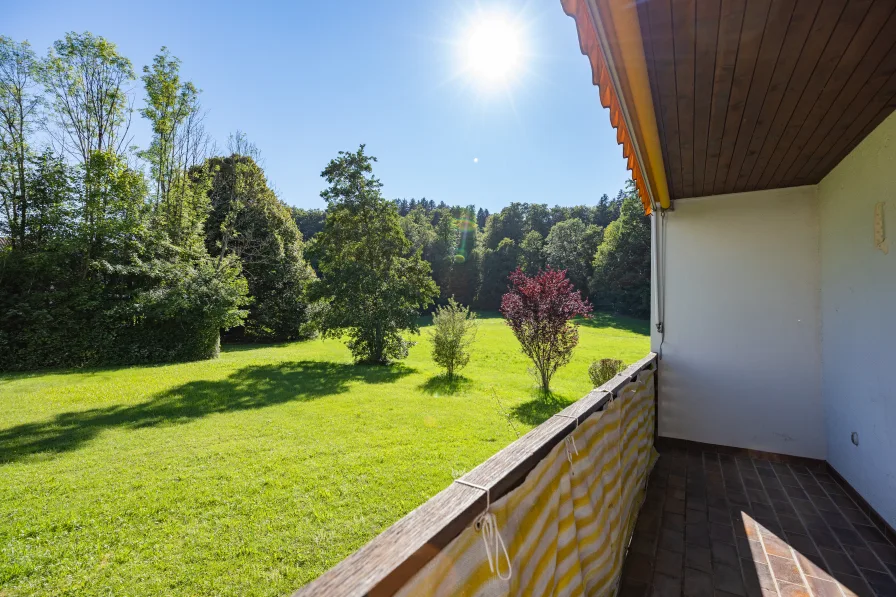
(385, 564)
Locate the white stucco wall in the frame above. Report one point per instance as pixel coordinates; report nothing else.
(741, 358)
(859, 318)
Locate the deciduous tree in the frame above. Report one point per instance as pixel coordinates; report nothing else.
(20, 102)
(87, 80)
(532, 252)
(178, 143)
(566, 249)
(496, 266)
(621, 279)
(540, 309)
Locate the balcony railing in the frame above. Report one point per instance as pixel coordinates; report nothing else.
(556, 506)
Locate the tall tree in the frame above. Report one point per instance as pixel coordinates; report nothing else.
(178, 143)
(538, 218)
(372, 286)
(481, 217)
(87, 81)
(497, 264)
(532, 252)
(249, 222)
(20, 102)
(418, 230)
(464, 279)
(508, 223)
(621, 279)
(566, 249)
(443, 249)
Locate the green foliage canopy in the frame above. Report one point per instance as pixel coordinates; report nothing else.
(372, 286)
(248, 222)
(621, 280)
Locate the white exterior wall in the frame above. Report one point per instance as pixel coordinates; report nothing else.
(858, 301)
(741, 357)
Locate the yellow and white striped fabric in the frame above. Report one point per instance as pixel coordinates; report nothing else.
(566, 527)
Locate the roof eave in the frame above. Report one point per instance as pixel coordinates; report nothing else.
(610, 36)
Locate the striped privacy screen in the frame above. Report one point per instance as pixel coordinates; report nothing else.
(565, 529)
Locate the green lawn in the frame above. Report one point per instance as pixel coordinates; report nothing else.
(253, 473)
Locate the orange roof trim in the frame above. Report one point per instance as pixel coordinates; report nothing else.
(600, 75)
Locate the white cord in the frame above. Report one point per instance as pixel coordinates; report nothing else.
(487, 524)
(570, 441)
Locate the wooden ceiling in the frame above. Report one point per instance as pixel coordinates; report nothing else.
(759, 94)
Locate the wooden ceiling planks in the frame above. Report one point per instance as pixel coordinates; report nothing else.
(778, 21)
(684, 38)
(730, 24)
(754, 94)
(707, 37)
(864, 83)
(851, 60)
(799, 28)
(880, 107)
(747, 53)
(822, 29)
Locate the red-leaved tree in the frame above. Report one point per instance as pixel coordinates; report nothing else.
(540, 310)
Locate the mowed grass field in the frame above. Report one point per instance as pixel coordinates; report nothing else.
(253, 473)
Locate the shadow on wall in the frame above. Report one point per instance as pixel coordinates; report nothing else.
(245, 389)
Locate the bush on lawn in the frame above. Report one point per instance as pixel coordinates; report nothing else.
(604, 370)
(454, 330)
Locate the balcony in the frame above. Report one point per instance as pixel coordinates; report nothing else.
(724, 523)
(705, 520)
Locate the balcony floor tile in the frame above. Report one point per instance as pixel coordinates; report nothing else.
(795, 532)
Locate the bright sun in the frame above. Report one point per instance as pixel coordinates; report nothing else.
(494, 49)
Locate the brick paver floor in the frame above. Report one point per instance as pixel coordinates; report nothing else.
(719, 525)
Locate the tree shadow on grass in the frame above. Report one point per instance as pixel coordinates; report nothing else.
(440, 385)
(245, 389)
(541, 408)
(619, 322)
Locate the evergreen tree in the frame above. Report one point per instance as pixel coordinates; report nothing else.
(482, 218)
(372, 288)
(248, 221)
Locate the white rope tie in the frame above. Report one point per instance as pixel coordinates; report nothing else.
(571, 441)
(487, 525)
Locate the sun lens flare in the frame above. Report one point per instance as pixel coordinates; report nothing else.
(494, 49)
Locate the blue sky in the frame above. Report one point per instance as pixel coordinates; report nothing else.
(306, 79)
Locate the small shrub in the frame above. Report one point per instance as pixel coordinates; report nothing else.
(454, 331)
(604, 370)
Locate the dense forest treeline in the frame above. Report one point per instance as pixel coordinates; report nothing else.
(604, 248)
(114, 254)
